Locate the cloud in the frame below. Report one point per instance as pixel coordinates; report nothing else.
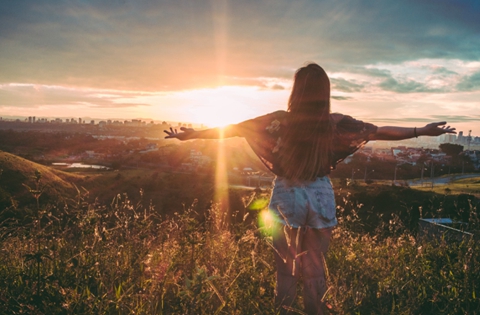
(451, 119)
(407, 86)
(34, 96)
(277, 87)
(171, 45)
(372, 72)
(444, 71)
(470, 83)
(456, 118)
(346, 85)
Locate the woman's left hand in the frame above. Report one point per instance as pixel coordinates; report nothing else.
(184, 135)
(436, 129)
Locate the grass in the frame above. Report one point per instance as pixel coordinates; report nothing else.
(123, 258)
(84, 255)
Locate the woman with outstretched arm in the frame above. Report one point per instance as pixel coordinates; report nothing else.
(301, 146)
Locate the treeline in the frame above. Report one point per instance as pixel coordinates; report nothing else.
(43, 147)
(34, 145)
(366, 168)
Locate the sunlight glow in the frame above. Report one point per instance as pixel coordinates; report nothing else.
(219, 106)
(221, 184)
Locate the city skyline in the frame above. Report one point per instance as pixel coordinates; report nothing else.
(221, 62)
(460, 138)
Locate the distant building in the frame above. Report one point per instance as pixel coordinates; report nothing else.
(460, 138)
(448, 138)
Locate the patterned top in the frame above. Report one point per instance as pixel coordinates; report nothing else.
(263, 134)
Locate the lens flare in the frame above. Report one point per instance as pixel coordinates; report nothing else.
(266, 222)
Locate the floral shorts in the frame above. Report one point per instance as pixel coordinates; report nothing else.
(304, 203)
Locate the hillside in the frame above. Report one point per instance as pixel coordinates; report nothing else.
(171, 192)
(16, 172)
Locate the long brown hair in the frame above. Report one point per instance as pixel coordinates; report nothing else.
(307, 142)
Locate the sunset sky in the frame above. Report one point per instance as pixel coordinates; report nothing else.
(405, 62)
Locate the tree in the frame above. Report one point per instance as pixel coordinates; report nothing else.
(450, 149)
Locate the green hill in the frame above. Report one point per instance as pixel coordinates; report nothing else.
(18, 174)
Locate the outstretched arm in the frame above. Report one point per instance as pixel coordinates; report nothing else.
(213, 133)
(401, 133)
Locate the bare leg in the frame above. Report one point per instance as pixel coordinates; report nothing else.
(315, 243)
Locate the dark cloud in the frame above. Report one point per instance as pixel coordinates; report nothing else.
(444, 71)
(451, 119)
(470, 83)
(456, 118)
(341, 98)
(407, 86)
(167, 45)
(372, 72)
(346, 86)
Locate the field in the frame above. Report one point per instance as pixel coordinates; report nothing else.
(124, 259)
(461, 186)
(86, 256)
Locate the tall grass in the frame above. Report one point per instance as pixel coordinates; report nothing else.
(123, 258)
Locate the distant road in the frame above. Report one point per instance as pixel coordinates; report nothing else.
(441, 180)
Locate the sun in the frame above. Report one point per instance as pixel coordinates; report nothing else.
(221, 106)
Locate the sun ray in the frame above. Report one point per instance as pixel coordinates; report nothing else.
(221, 184)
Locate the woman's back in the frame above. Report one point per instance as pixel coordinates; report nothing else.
(266, 134)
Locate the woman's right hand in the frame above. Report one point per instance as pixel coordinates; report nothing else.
(436, 129)
(186, 133)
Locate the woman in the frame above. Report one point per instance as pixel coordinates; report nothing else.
(301, 146)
